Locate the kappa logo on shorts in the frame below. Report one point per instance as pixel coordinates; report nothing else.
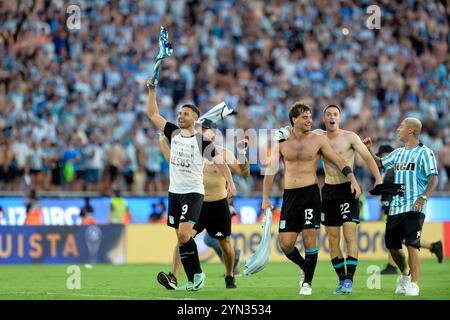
(282, 224)
(322, 217)
(171, 221)
(308, 222)
(418, 234)
(219, 234)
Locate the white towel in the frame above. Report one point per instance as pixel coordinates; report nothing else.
(260, 258)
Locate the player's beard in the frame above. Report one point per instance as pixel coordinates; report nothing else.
(305, 128)
(184, 125)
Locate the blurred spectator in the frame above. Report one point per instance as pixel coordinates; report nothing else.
(47, 154)
(33, 209)
(258, 56)
(131, 164)
(158, 213)
(6, 164)
(71, 157)
(21, 152)
(153, 167)
(56, 164)
(87, 214)
(36, 165)
(80, 165)
(119, 212)
(140, 175)
(94, 164)
(115, 161)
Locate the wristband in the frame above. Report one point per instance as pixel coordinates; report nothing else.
(346, 170)
(152, 85)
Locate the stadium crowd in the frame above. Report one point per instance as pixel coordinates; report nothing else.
(72, 101)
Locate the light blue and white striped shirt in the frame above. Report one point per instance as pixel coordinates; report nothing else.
(412, 167)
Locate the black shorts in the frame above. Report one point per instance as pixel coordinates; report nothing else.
(447, 170)
(338, 205)
(34, 172)
(405, 227)
(300, 209)
(215, 217)
(385, 206)
(8, 174)
(150, 174)
(129, 177)
(19, 172)
(79, 174)
(56, 177)
(184, 207)
(113, 172)
(3, 173)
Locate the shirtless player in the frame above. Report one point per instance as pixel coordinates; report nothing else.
(339, 206)
(300, 212)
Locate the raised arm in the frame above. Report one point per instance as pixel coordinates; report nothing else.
(223, 167)
(152, 108)
(364, 152)
(336, 159)
(368, 143)
(165, 149)
(242, 169)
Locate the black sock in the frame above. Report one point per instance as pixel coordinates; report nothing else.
(295, 256)
(339, 267)
(310, 264)
(351, 264)
(189, 259)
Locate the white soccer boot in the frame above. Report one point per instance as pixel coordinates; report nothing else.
(402, 282)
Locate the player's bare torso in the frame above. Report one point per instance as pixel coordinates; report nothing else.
(214, 181)
(342, 144)
(300, 156)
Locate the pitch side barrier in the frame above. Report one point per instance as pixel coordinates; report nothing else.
(66, 211)
(153, 243)
(62, 244)
(144, 243)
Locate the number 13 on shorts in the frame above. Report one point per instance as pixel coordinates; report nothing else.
(308, 214)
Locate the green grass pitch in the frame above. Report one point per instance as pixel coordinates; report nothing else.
(276, 281)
